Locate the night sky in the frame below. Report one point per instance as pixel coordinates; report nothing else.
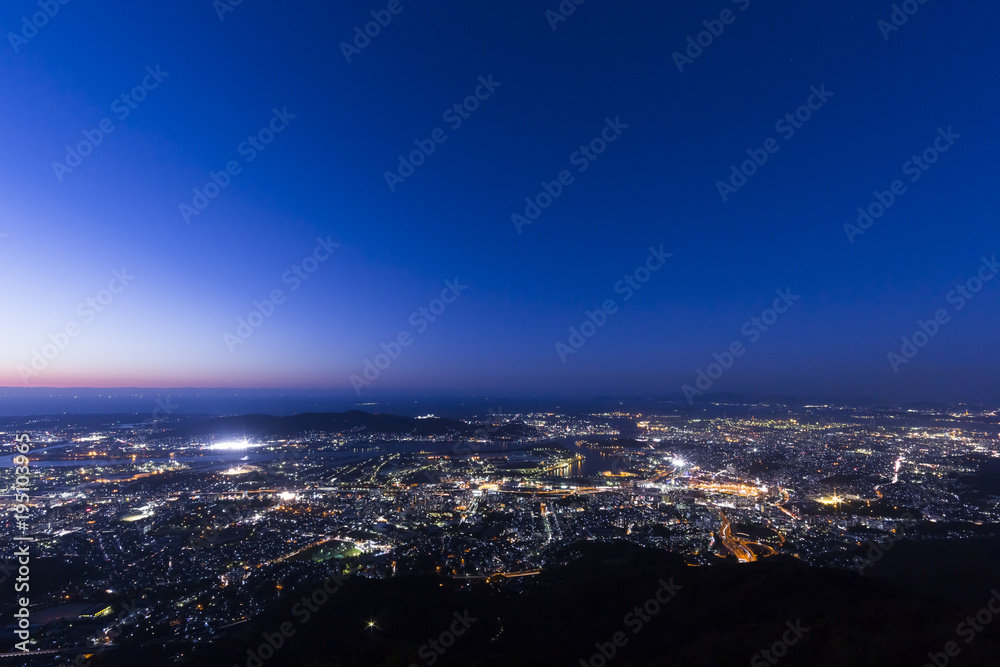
(264, 150)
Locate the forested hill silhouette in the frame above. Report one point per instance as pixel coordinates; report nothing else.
(720, 616)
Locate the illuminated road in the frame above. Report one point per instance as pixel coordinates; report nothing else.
(737, 547)
(895, 476)
(507, 575)
(781, 502)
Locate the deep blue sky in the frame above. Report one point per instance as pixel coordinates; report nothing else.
(323, 176)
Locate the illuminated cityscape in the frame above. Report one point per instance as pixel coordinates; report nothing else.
(201, 533)
(395, 333)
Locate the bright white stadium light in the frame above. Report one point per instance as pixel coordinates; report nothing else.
(232, 444)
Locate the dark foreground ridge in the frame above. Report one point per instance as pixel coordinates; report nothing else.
(764, 613)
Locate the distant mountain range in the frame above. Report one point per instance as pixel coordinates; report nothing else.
(353, 422)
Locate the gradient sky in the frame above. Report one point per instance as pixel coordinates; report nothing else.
(323, 177)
